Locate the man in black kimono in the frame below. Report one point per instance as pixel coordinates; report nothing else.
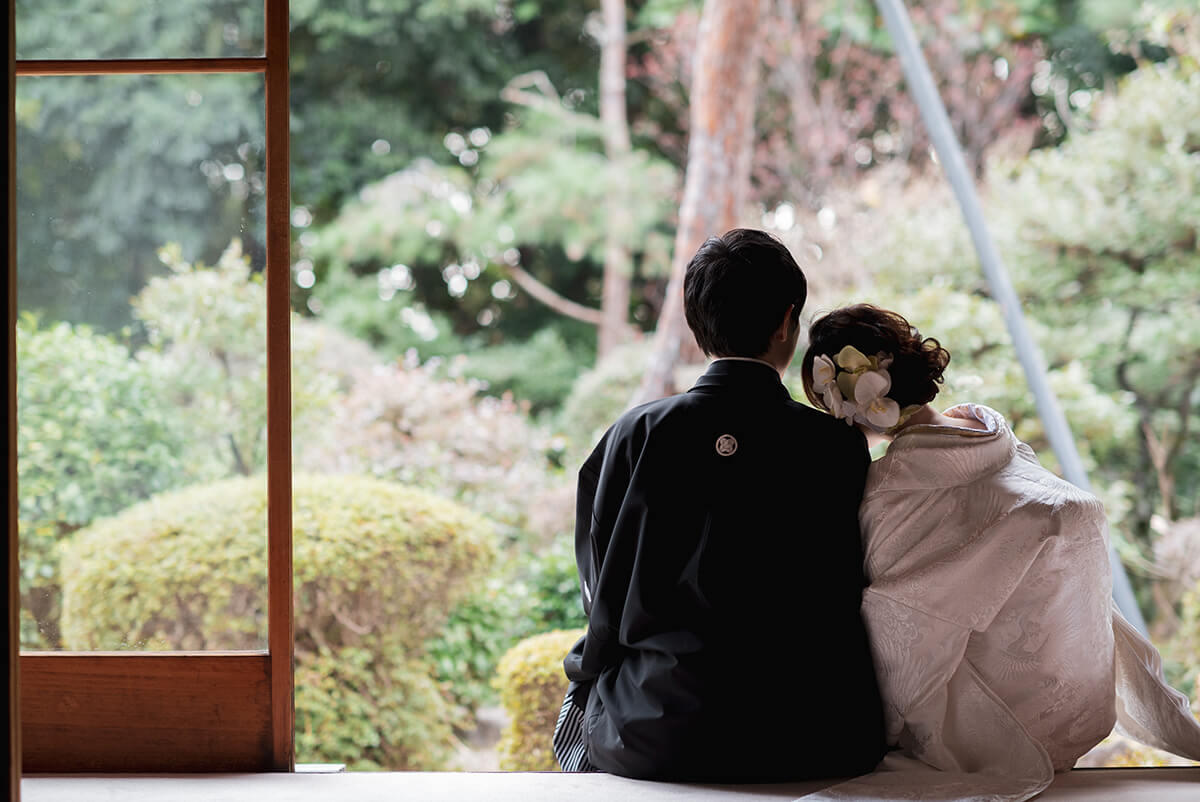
(717, 541)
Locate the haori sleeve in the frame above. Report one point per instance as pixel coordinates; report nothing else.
(1148, 709)
(937, 706)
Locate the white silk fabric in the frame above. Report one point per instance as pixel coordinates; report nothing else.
(1000, 656)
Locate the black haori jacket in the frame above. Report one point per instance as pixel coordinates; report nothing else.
(721, 569)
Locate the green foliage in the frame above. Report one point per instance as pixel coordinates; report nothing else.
(415, 555)
(353, 706)
(530, 595)
(101, 429)
(370, 308)
(478, 632)
(1124, 14)
(184, 570)
(404, 73)
(1120, 224)
(600, 396)
(111, 167)
(661, 13)
(1102, 234)
(384, 267)
(1179, 653)
(208, 328)
(130, 29)
(405, 217)
(95, 434)
(532, 684)
(554, 582)
(541, 370)
(537, 199)
(548, 180)
(377, 567)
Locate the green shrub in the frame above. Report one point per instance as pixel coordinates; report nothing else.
(600, 396)
(377, 567)
(478, 632)
(357, 707)
(94, 435)
(553, 582)
(208, 328)
(531, 682)
(533, 594)
(1181, 650)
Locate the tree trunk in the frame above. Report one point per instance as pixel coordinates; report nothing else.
(720, 146)
(618, 264)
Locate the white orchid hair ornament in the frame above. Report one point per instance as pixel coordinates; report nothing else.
(854, 387)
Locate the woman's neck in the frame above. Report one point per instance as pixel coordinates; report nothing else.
(924, 416)
(928, 416)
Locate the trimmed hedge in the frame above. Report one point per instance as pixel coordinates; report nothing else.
(377, 568)
(373, 711)
(532, 684)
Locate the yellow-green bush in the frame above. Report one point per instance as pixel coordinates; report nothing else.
(377, 568)
(532, 684)
(372, 711)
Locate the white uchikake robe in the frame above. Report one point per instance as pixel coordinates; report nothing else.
(1000, 656)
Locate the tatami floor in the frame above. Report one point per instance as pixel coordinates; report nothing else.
(1095, 785)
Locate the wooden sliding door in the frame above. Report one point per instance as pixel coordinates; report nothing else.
(149, 705)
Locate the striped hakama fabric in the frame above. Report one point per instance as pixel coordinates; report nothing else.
(569, 747)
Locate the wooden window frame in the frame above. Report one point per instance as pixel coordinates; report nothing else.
(175, 711)
(8, 469)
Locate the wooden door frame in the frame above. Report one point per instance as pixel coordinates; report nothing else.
(177, 711)
(12, 730)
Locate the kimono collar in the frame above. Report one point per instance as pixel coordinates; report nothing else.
(925, 456)
(743, 375)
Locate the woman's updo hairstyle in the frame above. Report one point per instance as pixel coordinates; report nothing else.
(918, 362)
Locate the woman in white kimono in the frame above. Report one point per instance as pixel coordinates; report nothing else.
(1000, 656)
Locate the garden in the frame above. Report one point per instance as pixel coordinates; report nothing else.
(489, 202)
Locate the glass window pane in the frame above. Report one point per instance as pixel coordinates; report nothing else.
(79, 29)
(141, 362)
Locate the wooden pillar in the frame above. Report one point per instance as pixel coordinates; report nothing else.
(279, 391)
(12, 626)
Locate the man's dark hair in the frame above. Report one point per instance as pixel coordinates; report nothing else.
(736, 290)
